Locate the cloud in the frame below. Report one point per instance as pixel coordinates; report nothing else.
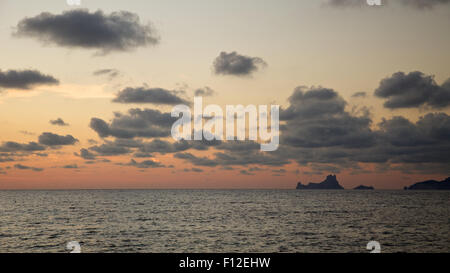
(51, 139)
(27, 133)
(413, 90)
(198, 161)
(425, 141)
(70, 166)
(313, 102)
(110, 149)
(23, 167)
(142, 154)
(145, 164)
(320, 133)
(149, 95)
(359, 95)
(117, 31)
(137, 123)
(25, 79)
(236, 64)
(86, 154)
(318, 130)
(245, 172)
(346, 3)
(109, 72)
(424, 4)
(204, 92)
(418, 4)
(316, 117)
(58, 122)
(11, 146)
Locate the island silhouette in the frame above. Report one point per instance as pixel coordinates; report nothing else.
(362, 187)
(431, 185)
(330, 183)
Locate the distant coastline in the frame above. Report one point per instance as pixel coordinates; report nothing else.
(331, 183)
(431, 185)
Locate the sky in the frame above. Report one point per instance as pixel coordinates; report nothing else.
(86, 92)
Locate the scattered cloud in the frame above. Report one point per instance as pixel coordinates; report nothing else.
(51, 139)
(149, 95)
(414, 89)
(117, 31)
(86, 154)
(137, 123)
(236, 64)
(110, 149)
(27, 133)
(424, 4)
(111, 73)
(359, 95)
(24, 167)
(145, 164)
(25, 79)
(58, 122)
(417, 4)
(204, 92)
(70, 166)
(12, 146)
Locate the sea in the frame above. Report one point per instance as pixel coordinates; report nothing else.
(183, 221)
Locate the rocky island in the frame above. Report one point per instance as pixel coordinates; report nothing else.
(362, 187)
(431, 185)
(330, 183)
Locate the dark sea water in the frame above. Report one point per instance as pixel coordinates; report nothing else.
(224, 220)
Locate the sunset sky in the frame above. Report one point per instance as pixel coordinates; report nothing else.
(86, 92)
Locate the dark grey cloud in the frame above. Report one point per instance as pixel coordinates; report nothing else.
(51, 139)
(316, 117)
(149, 95)
(312, 103)
(136, 123)
(58, 122)
(318, 130)
(12, 146)
(236, 64)
(425, 141)
(235, 157)
(197, 170)
(24, 167)
(117, 31)
(198, 161)
(111, 73)
(142, 155)
(70, 166)
(245, 172)
(320, 133)
(359, 95)
(145, 164)
(110, 149)
(25, 79)
(86, 154)
(414, 89)
(204, 92)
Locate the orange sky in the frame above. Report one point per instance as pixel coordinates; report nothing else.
(302, 43)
